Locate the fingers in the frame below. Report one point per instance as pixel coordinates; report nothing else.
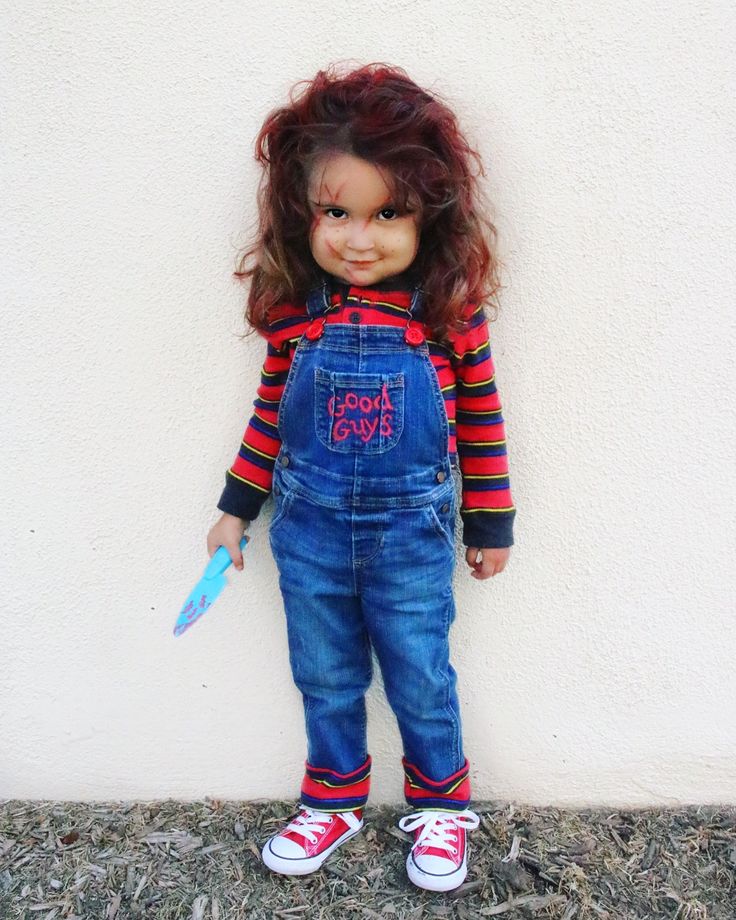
(482, 573)
(486, 562)
(477, 563)
(227, 532)
(236, 555)
(474, 558)
(233, 550)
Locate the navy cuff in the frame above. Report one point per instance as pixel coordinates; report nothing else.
(240, 499)
(488, 529)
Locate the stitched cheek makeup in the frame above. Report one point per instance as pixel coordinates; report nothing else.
(358, 234)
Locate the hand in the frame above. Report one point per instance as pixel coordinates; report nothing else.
(492, 561)
(228, 532)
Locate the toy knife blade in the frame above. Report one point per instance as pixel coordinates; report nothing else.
(207, 590)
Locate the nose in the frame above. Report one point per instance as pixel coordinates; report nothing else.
(360, 238)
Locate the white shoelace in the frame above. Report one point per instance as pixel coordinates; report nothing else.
(440, 827)
(309, 823)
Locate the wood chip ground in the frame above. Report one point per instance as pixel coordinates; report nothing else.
(200, 861)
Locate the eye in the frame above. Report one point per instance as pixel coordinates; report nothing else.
(389, 213)
(329, 212)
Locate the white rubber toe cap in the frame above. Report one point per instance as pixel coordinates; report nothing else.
(286, 849)
(435, 865)
(432, 873)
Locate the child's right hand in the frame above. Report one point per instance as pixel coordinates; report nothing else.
(228, 532)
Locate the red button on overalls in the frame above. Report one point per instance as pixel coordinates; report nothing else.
(414, 336)
(315, 329)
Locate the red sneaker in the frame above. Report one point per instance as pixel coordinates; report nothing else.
(439, 856)
(308, 840)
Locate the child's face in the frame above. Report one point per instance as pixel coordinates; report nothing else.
(357, 234)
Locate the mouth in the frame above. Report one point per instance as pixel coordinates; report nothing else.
(360, 264)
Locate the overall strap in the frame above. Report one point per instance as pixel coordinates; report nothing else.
(415, 307)
(318, 300)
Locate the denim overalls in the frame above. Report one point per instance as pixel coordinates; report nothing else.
(363, 537)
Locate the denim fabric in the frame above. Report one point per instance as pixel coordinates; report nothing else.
(363, 538)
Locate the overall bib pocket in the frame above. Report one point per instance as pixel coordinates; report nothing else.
(358, 413)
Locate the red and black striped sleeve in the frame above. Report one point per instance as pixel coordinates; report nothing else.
(248, 481)
(487, 509)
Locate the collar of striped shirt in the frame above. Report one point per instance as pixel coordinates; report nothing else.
(395, 290)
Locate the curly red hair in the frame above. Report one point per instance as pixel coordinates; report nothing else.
(375, 112)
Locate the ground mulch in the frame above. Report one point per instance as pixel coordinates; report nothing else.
(200, 861)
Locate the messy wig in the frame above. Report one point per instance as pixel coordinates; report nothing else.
(377, 113)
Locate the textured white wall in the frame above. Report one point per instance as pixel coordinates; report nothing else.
(599, 668)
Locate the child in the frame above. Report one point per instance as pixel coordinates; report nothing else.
(371, 264)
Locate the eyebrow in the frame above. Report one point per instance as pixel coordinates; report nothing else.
(328, 204)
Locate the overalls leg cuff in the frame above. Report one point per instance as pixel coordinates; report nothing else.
(450, 794)
(326, 790)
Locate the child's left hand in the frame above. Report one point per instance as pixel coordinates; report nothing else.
(492, 561)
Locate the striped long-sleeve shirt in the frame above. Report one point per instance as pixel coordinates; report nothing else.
(467, 379)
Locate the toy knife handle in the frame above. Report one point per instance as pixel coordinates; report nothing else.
(221, 560)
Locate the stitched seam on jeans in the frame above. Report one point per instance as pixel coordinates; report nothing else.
(362, 562)
(288, 386)
(286, 500)
(439, 399)
(454, 715)
(310, 753)
(439, 528)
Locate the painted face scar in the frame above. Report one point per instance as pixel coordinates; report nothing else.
(325, 196)
(334, 195)
(367, 237)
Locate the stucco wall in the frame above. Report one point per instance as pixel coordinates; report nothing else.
(599, 667)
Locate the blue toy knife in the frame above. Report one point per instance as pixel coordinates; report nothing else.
(207, 590)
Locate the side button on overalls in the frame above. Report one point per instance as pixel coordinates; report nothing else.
(363, 537)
